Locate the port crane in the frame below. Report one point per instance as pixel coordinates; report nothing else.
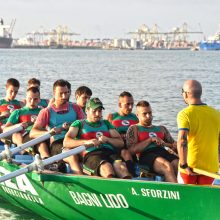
(59, 36)
(150, 36)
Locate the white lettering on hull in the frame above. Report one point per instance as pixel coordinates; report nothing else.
(162, 194)
(102, 200)
(21, 187)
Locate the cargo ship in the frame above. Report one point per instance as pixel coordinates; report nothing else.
(6, 34)
(213, 42)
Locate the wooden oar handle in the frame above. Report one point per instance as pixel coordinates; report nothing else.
(206, 173)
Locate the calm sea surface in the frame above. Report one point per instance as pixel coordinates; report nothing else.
(155, 76)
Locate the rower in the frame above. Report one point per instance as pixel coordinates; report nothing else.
(33, 82)
(9, 103)
(121, 121)
(100, 139)
(148, 142)
(26, 116)
(53, 117)
(82, 95)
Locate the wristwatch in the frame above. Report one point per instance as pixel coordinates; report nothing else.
(183, 166)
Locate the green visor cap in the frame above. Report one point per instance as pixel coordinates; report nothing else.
(94, 103)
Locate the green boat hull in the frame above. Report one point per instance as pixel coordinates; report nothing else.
(58, 196)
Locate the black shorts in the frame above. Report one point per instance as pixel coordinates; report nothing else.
(56, 147)
(148, 157)
(94, 159)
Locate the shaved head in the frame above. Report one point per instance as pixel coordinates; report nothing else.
(193, 87)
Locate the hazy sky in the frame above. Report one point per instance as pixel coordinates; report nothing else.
(110, 18)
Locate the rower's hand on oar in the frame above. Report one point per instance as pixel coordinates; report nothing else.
(55, 130)
(103, 139)
(92, 143)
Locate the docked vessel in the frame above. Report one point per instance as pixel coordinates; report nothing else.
(213, 43)
(6, 34)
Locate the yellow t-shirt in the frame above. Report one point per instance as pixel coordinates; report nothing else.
(203, 125)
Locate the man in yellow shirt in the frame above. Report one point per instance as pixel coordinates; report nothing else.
(198, 136)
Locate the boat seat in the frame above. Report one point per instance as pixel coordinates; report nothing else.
(24, 159)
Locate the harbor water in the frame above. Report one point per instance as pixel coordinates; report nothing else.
(155, 76)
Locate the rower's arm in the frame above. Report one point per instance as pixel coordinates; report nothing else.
(70, 140)
(182, 145)
(37, 131)
(40, 125)
(8, 126)
(115, 139)
(168, 139)
(12, 121)
(132, 140)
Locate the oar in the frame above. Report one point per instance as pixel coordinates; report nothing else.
(11, 131)
(39, 164)
(8, 153)
(171, 151)
(206, 173)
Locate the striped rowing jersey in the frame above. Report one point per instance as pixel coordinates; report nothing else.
(24, 114)
(7, 107)
(88, 131)
(147, 132)
(122, 123)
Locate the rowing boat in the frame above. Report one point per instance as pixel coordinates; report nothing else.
(56, 195)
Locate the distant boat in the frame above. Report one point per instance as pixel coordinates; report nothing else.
(6, 34)
(213, 43)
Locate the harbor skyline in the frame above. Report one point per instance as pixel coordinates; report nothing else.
(110, 19)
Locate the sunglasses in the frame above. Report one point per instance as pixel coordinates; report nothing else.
(183, 91)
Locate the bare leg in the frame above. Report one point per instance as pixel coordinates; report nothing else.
(126, 155)
(18, 140)
(73, 161)
(106, 170)
(165, 168)
(121, 170)
(43, 150)
(174, 164)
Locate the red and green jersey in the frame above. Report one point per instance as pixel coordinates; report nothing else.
(7, 106)
(147, 132)
(24, 114)
(88, 130)
(43, 103)
(122, 123)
